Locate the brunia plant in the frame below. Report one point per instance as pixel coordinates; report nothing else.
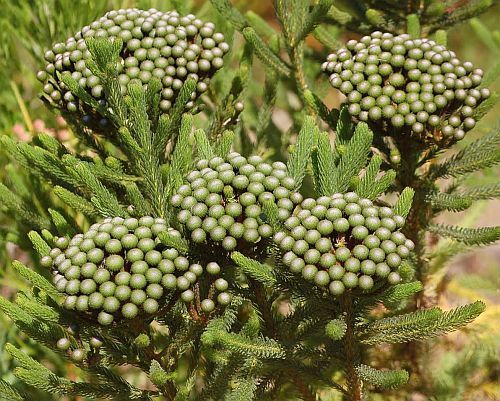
(222, 263)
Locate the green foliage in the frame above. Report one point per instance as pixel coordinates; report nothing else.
(258, 271)
(441, 37)
(384, 379)
(157, 375)
(243, 390)
(223, 146)
(451, 202)
(413, 26)
(18, 206)
(335, 329)
(181, 156)
(173, 241)
(325, 162)
(61, 224)
(265, 55)
(298, 161)
(279, 337)
(39, 244)
(404, 202)
(271, 213)
(317, 14)
(36, 279)
(482, 192)
(483, 152)
(261, 348)
(398, 17)
(400, 292)
(468, 236)
(10, 393)
(230, 13)
(203, 145)
(369, 186)
(104, 201)
(365, 184)
(420, 325)
(352, 158)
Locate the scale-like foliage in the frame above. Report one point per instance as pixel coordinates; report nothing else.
(443, 201)
(203, 145)
(325, 162)
(420, 325)
(262, 51)
(483, 152)
(404, 202)
(352, 158)
(468, 236)
(36, 279)
(254, 269)
(482, 192)
(299, 158)
(173, 241)
(251, 326)
(384, 379)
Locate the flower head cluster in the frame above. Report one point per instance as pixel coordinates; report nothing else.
(344, 242)
(223, 200)
(119, 267)
(411, 85)
(156, 44)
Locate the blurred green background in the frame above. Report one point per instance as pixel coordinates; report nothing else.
(28, 27)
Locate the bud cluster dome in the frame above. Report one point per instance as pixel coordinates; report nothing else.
(413, 86)
(120, 269)
(164, 45)
(344, 242)
(223, 199)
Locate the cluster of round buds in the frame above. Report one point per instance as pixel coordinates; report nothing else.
(77, 354)
(344, 242)
(222, 201)
(156, 44)
(119, 267)
(411, 85)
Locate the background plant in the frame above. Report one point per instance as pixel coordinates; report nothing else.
(288, 60)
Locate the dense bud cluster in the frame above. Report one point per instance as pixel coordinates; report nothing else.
(156, 44)
(344, 242)
(412, 85)
(120, 269)
(223, 200)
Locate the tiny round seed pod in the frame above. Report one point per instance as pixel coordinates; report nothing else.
(63, 344)
(78, 355)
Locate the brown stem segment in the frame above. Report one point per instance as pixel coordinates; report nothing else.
(303, 389)
(414, 174)
(354, 384)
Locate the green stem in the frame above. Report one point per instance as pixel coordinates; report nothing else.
(297, 58)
